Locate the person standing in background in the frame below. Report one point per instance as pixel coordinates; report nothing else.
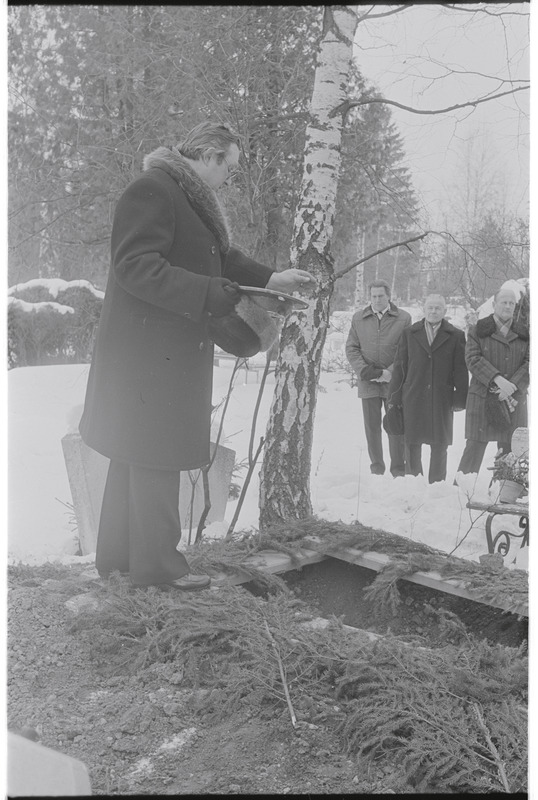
(430, 382)
(497, 355)
(370, 349)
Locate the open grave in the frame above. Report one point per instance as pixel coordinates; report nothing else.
(375, 581)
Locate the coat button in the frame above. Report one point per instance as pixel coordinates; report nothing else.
(213, 249)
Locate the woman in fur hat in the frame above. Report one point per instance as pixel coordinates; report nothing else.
(148, 399)
(497, 356)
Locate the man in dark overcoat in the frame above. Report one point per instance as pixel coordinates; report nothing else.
(148, 399)
(429, 380)
(370, 349)
(497, 354)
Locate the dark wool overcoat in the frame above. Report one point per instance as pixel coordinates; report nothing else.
(429, 382)
(488, 353)
(148, 399)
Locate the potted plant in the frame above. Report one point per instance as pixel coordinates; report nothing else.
(512, 474)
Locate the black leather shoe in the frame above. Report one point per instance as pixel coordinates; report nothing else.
(190, 582)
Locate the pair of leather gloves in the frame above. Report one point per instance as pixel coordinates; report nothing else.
(222, 296)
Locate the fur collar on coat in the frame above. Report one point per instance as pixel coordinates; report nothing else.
(486, 327)
(201, 197)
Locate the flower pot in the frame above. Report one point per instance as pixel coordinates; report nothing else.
(510, 491)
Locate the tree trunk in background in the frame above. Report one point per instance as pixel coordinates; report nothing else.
(359, 276)
(377, 257)
(285, 473)
(273, 205)
(395, 271)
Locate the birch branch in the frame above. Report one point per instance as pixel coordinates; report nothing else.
(282, 674)
(344, 107)
(397, 10)
(405, 243)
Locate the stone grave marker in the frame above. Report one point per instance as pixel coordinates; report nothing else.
(87, 471)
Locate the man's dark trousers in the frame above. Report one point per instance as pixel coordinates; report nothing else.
(139, 527)
(438, 457)
(473, 455)
(371, 411)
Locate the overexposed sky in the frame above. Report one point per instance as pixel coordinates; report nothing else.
(430, 57)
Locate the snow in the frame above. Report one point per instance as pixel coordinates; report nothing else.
(22, 305)
(44, 403)
(518, 286)
(54, 286)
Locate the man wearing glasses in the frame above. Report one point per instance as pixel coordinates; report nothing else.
(148, 399)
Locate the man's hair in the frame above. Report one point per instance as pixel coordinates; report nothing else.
(207, 135)
(379, 285)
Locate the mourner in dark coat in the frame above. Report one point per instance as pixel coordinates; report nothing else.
(429, 380)
(497, 355)
(148, 399)
(370, 349)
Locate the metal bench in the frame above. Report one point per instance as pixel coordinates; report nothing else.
(500, 543)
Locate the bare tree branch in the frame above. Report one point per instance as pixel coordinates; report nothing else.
(344, 107)
(397, 10)
(454, 7)
(405, 243)
(447, 235)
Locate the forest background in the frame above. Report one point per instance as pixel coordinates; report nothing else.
(95, 88)
(324, 182)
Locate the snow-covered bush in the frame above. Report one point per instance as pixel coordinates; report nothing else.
(52, 321)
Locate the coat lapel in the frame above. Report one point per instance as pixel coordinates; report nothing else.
(503, 339)
(441, 338)
(421, 337)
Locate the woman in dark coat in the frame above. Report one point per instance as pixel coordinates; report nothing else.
(429, 380)
(148, 400)
(497, 354)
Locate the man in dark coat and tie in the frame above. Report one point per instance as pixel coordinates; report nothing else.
(429, 380)
(497, 354)
(148, 399)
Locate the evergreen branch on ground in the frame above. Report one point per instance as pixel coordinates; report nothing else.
(490, 582)
(412, 705)
(415, 706)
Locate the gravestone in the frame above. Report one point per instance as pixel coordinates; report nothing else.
(87, 471)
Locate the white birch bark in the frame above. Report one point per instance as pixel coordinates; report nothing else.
(285, 473)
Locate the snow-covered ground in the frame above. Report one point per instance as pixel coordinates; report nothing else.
(44, 403)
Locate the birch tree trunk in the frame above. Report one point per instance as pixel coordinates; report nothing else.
(285, 473)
